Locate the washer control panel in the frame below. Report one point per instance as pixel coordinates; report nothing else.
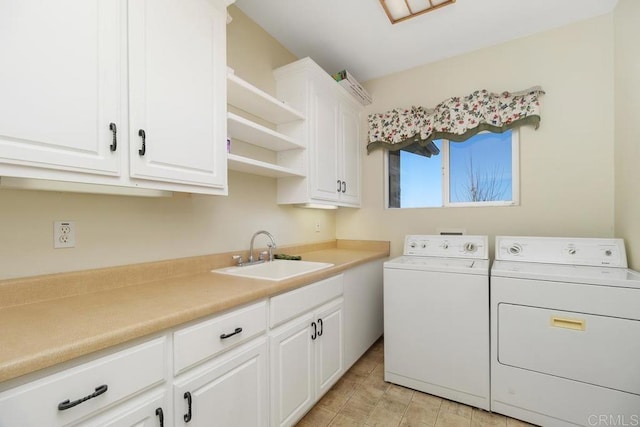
(562, 250)
(447, 246)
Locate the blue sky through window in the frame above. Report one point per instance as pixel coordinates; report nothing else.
(490, 153)
(420, 180)
(490, 156)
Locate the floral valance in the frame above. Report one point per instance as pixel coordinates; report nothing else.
(455, 119)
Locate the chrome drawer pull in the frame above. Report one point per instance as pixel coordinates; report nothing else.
(68, 404)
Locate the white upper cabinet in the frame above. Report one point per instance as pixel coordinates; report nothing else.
(324, 149)
(60, 86)
(177, 71)
(349, 156)
(331, 134)
(84, 82)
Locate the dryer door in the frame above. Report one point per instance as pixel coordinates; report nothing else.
(593, 349)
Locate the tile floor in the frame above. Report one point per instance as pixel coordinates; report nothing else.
(362, 398)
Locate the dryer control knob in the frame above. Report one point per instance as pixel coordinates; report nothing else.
(514, 249)
(571, 251)
(608, 252)
(445, 245)
(412, 245)
(470, 247)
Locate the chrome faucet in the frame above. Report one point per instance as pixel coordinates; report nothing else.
(271, 245)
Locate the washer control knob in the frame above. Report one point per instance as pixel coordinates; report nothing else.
(514, 249)
(445, 245)
(470, 247)
(412, 245)
(423, 245)
(608, 252)
(571, 251)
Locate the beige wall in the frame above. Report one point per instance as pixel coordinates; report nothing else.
(115, 230)
(567, 176)
(567, 165)
(627, 127)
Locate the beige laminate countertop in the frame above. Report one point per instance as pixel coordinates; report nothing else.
(41, 334)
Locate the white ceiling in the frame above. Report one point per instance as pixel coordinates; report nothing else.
(356, 34)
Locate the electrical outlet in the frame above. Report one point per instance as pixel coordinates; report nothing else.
(64, 234)
(317, 227)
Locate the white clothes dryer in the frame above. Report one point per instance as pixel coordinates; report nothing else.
(436, 317)
(565, 332)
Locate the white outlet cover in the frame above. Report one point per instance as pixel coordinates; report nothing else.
(64, 234)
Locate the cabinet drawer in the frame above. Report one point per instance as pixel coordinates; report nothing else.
(199, 342)
(123, 374)
(289, 305)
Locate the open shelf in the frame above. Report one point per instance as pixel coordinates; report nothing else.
(257, 167)
(253, 133)
(249, 98)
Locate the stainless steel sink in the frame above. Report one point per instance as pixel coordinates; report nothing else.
(279, 269)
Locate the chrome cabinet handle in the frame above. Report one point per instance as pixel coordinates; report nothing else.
(63, 406)
(114, 141)
(142, 134)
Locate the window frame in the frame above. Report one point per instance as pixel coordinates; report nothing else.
(446, 203)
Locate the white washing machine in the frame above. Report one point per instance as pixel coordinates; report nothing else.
(436, 317)
(565, 332)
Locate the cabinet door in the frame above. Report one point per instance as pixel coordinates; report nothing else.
(60, 84)
(233, 392)
(324, 144)
(149, 412)
(329, 346)
(350, 153)
(177, 59)
(292, 371)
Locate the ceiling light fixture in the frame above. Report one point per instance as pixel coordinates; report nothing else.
(401, 10)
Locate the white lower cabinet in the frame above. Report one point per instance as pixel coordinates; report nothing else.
(74, 395)
(151, 410)
(329, 351)
(229, 391)
(292, 371)
(223, 370)
(306, 353)
(363, 303)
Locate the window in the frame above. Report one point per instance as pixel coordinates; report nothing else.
(481, 171)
